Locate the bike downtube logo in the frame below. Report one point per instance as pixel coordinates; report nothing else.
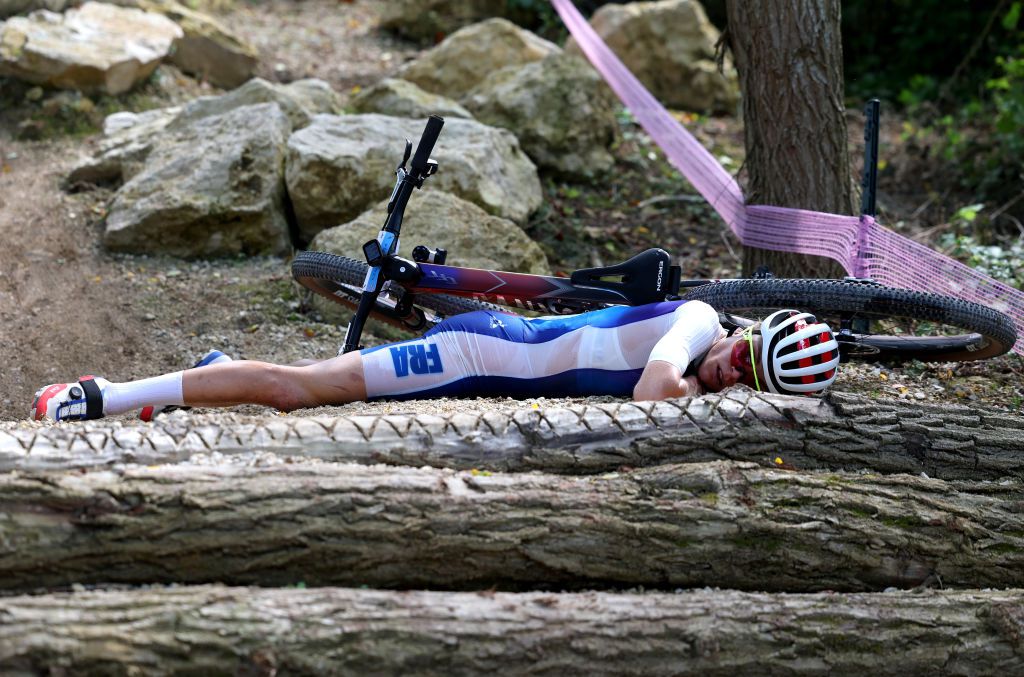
(445, 279)
(416, 358)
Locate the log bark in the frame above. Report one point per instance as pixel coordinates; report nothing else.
(252, 631)
(726, 524)
(835, 433)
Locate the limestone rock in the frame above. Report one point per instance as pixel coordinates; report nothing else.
(214, 188)
(97, 47)
(403, 99)
(300, 100)
(127, 141)
(469, 56)
(313, 95)
(473, 237)
(670, 46)
(431, 20)
(208, 48)
(129, 137)
(340, 165)
(14, 7)
(205, 6)
(561, 110)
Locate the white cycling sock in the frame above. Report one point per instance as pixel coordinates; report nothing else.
(157, 391)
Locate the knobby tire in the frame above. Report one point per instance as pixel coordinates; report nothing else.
(991, 333)
(340, 279)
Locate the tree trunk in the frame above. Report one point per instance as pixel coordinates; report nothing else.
(253, 631)
(790, 61)
(839, 432)
(726, 524)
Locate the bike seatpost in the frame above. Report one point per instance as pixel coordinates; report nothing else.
(406, 182)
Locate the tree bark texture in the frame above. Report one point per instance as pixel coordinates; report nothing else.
(839, 432)
(725, 524)
(790, 61)
(253, 631)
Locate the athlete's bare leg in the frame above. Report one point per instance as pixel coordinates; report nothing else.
(335, 381)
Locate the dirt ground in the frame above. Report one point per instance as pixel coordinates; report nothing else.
(68, 308)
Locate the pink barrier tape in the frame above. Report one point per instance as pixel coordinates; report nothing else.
(894, 260)
(859, 244)
(802, 232)
(863, 230)
(684, 151)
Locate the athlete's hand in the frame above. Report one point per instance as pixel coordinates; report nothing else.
(691, 386)
(662, 380)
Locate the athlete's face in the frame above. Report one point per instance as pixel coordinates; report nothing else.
(729, 362)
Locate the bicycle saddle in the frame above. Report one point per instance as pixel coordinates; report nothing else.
(648, 277)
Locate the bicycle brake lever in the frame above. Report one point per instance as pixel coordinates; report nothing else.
(406, 155)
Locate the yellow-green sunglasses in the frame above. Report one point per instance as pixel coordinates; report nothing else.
(745, 361)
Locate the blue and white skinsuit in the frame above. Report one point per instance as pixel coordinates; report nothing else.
(490, 354)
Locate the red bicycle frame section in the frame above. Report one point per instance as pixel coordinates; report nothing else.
(645, 278)
(544, 293)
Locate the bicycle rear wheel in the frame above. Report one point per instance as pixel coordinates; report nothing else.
(990, 333)
(340, 279)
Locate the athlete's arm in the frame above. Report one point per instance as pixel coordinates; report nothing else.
(693, 332)
(662, 380)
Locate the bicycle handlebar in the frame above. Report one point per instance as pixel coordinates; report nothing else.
(387, 239)
(426, 145)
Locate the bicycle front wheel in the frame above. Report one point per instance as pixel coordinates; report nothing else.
(340, 279)
(989, 333)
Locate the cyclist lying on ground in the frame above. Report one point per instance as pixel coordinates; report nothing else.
(652, 352)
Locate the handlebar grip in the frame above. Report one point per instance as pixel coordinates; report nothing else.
(426, 145)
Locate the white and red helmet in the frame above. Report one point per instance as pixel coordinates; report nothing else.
(799, 354)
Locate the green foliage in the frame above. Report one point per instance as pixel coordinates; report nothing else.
(970, 125)
(1004, 263)
(968, 214)
(995, 159)
(920, 90)
(537, 14)
(889, 43)
(898, 49)
(1007, 90)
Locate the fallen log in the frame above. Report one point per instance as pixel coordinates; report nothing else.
(253, 631)
(835, 433)
(728, 524)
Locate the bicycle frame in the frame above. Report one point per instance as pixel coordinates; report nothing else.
(407, 180)
(546, 293)
(542, 293)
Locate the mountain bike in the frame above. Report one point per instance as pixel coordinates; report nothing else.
(414, 294)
